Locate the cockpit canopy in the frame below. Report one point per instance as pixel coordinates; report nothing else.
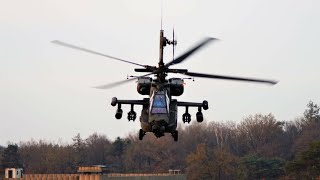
(159, 103)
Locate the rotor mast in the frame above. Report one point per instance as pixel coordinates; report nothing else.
(161, 66)
(163, 41)
(161, 75)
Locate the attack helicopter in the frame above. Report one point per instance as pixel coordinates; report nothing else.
(159, 112)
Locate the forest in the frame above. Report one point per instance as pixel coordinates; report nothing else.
(257, 147)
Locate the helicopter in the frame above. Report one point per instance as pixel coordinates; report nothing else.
(159, 111)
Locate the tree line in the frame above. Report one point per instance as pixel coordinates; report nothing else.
(260, 146)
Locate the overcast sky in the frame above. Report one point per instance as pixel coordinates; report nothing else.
(46, 90)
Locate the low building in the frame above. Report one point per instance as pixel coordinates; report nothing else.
(13, 173)
(97, 169)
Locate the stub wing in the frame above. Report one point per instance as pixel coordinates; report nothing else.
(203, 105)
(115, 101)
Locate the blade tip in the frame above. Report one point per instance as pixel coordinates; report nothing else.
(55, 42)
(98, 87)
(273, 82)
(213, 39)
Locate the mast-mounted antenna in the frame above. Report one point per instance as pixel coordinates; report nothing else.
(174, 43)
(161, 13)
(163, 42)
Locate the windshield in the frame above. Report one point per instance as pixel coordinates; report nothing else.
(159, 105)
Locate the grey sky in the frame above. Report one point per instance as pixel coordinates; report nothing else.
(45, 90)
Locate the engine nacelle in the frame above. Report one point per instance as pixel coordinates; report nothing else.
(176, 86)
(144, 85)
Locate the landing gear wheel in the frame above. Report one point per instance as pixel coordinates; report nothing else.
(175, 135)
(141, 134)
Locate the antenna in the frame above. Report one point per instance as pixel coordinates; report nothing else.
(161, 12)
(173, 45)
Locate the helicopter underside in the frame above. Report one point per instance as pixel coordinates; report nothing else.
(158, 126)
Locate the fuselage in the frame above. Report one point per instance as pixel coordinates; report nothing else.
(160, 116)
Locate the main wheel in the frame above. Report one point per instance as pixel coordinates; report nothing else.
(141, 134)
(175, 135)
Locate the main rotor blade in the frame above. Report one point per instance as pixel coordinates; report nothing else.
(114, 84)
(272, 82)
(190, 52)
(92, 52)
